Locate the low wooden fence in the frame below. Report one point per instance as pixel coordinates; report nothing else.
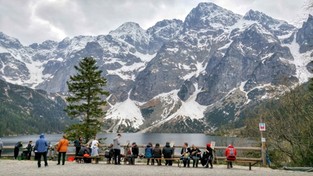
(248, 155)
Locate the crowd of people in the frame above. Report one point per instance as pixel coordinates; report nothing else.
(153, 154)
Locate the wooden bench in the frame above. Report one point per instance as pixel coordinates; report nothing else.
(95, 158)
(177, 159)
(250, 161)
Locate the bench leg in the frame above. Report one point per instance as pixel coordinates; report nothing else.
(250, 166)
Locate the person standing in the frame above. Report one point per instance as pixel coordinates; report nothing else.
(127, 152)
(41, 147)
(1, 146)
(78, 144)
(230, 154)
(17, 147)
(117, 149)
(29, 150)
(168, 152)
(62, 149)
(185, 154)
(208, 156)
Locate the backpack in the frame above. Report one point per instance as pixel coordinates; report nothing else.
(231, 152)
(231, 155)
(148, 152)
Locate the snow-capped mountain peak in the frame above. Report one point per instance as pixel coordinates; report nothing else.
(209, 15)
(9, 42)
(131, 32)
(176, 76)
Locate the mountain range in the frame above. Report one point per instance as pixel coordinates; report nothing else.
(27, 111)
(177, 76)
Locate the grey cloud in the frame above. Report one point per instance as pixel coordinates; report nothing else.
(57, 19)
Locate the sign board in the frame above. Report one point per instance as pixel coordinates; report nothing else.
(263, 140)
(262, 126)
(213, 144)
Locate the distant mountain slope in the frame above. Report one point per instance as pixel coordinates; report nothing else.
(177, 76)
(26, 111)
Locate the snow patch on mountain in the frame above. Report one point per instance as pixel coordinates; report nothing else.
(200, 68)
(241, 88)
(189, 108)
(3, 50)
(128, 72)
(300, 61)
(126, 111)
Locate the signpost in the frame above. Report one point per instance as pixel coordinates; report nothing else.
(262, 128)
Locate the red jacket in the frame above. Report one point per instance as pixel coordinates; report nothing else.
(230, 153)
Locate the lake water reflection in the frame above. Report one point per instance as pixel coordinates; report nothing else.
(144, 138)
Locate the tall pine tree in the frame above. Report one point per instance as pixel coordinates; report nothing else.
(86, 100)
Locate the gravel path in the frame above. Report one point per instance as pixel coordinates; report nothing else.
(21, 168)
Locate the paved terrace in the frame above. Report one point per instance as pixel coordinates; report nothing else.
(21, 168)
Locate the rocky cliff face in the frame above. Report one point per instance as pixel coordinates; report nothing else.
(176, 76)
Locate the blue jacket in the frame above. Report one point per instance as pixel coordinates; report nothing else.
(41, 144)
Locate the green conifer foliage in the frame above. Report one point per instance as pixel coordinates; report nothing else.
(86, 100)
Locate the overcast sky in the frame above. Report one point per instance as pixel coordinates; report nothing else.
(38, 20)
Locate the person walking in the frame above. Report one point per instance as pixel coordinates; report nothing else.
(62, 149)
(208, 155)
(1, 146)
(117, 149)
(40, 148)
(230, 154)
(17, 147)
(29, 150)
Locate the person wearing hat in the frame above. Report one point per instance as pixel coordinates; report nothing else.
(209, 155)
(41, 148)
(230, 154)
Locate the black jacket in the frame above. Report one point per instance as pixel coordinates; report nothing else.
(185, 150)
(135, 150)
(168, 151)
